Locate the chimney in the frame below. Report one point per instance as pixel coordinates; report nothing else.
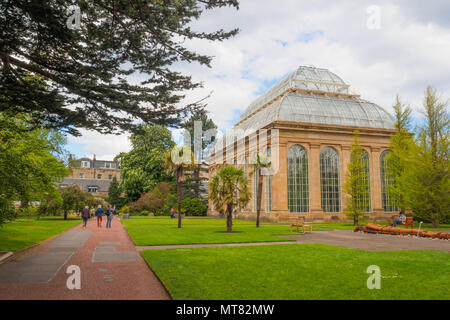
(94, 157)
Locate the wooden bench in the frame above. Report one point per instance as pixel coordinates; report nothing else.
(409, 222)
(295, 221)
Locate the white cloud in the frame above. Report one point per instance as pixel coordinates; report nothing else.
(409, 52)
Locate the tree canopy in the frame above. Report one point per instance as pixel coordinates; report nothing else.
(85, 70)
(142, 167)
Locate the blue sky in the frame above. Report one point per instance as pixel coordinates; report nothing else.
(409, 51)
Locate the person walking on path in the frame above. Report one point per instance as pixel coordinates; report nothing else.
(109, 216)
(99, 214)
(172, 213)
(85, 215)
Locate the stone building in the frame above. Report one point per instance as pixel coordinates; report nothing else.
(306, 123)
(92, 175)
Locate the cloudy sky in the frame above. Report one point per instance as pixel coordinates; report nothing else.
(408, 50)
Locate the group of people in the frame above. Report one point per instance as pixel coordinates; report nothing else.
(86, 214)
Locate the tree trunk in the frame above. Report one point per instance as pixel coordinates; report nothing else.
(65, 215)
(355, 220)
(179, 195)
(258, 197)
(197, 182)
(435, 222)
(229, 217)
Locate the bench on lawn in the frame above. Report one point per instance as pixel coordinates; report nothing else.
(409, 222)
(295, 221)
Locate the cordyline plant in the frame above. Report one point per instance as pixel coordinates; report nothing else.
(223, 187)
(176, 161)
(262, 161)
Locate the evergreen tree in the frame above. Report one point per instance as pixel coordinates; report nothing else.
(193, 186)
(84, 67)
(356, 187)
(114, 193)
(400, 159)
(427, 181)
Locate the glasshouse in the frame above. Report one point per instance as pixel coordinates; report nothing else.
(305, 125)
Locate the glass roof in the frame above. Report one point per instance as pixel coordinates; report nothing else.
(313, 95)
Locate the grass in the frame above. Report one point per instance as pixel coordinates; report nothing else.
(24, 232)
(148, 231)
(299, 271)
(163, 220)
(170, 235)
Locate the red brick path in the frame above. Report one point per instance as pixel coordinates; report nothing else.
(99, 280)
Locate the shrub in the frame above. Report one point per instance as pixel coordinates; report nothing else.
(193, 207)
(153, 201)
(144, 213)
(125, 209)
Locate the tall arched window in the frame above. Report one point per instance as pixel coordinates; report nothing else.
(364, 202)
(329, 180)
(298, 186)
(389, 204)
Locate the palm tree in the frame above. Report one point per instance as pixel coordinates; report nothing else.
(260, 163)
(176, 161)
(223, 187)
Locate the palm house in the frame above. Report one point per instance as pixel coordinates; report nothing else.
(305, 125)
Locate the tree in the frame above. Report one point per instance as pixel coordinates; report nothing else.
(84, 67)
(142, 167)
(114, 193)
(400, 159)
(175, 162)
(51, 204)
(427, 180)
(203, 138)
(356, 182)
(261, 162)
(74, 199)
(223, 188)
(29, 163)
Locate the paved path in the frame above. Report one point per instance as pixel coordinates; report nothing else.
(342, 238)
(111, 268)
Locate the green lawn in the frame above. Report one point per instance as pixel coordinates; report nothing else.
(24, 232)
(163, 220)
(299, 271)
(167, 235)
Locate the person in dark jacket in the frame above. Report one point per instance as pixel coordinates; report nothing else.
(85, 215)
(99, 214)
(109, 216)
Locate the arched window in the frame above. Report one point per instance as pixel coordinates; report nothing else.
(389, 204)
(364, 202)
(329, 180)
(298, 186)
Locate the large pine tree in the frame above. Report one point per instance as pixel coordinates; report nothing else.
(84, 69)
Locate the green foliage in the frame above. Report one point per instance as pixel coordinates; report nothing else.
(114, 193)
(29, 167)
(125, 209)
(194, 207)
(171, 202)
(144, 213)
(142, 166)
(356, 183)
(74, 199)
(51, 205)
(224, 186)
(426, 181)
(89, 66)
(153, 201)
(400, 159)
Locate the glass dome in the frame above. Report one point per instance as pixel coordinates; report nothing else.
(313, 95)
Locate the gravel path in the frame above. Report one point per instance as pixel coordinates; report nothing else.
(342, 238)
(111, 268)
